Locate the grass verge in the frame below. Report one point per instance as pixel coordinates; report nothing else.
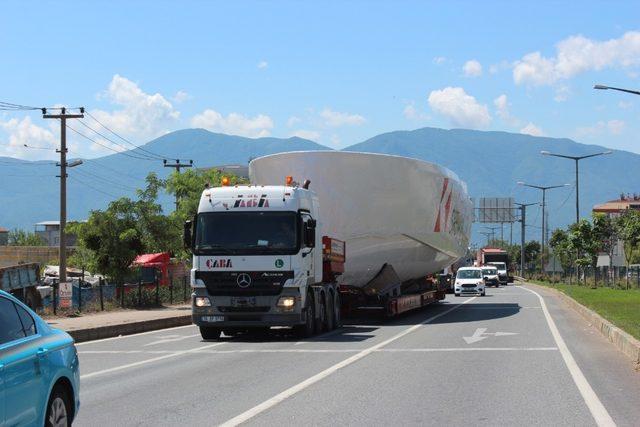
(620, 307)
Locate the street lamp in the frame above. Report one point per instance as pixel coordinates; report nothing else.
(576, 159)
(604, 87)
(544, 194)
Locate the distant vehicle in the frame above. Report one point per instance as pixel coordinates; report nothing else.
(39, 374)
(490, 275)
(22, 281)
(469, 280)
(499, 258)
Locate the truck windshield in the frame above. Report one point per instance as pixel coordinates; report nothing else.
(500, 265)
(489, 271)
(246, 233)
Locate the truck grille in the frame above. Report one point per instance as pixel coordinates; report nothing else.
(235, 283)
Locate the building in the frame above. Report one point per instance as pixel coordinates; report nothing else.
(4, 236)
(613, 208)
(49, 232)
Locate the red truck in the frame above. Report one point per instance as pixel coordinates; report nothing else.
(499, 258)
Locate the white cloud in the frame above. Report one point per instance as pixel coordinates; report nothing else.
(262, 65)
(575, 55)
(307, 134)
(337, 119)
(502, 107)
(562, 93)
(439, 60)
(531, 129)
(181, 96)
(625, 105)
(612, 127)
(142, 116)
(496, 68)
(293, 120)
(472, 68)
(459, 108)
(234, 123)
(23, 132)
(412, 113)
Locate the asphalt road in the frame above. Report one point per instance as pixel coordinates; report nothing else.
(503, 359)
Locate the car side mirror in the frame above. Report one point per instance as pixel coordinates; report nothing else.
(186, 235)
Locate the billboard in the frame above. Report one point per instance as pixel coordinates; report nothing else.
(496, 210)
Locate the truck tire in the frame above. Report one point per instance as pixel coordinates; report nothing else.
(309, 327)
(337, 312)
(209, 333)
(321, 320)
(331, 317)
(33, 298)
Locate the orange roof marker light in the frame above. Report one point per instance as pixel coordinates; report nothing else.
(289, 181)
(225, 181)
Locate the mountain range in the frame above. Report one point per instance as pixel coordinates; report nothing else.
(491, 163)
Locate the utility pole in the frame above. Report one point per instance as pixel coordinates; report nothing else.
(177, 166)
(523, 220)
(63, 116)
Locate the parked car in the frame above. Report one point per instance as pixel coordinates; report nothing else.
(490, 275)
(469, 280)
(39, 373)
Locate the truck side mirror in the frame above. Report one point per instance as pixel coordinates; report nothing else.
(186, 235)
(310, 233)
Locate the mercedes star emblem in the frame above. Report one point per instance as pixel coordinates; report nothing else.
(243, 280)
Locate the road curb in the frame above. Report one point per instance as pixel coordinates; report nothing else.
(621, 339)
(90, 334)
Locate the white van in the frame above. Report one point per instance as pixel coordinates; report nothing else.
(469, 281)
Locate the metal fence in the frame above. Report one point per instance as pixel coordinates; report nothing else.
(614, 277)
(107, 296)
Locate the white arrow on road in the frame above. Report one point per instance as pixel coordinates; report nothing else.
(481, 333)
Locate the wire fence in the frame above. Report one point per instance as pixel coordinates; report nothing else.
(104, 296)
(611, 277)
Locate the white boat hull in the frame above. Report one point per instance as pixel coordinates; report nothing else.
(412, 215)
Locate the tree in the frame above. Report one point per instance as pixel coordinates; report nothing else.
(561, 247)
(24, 238)
(628, 229)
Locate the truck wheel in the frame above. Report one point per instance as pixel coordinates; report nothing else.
(209, 333)
(307, 330)
(337, 312)
(321, 321)
(331, 317)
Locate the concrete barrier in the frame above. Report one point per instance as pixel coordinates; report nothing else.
(621, 339)
(96, 333)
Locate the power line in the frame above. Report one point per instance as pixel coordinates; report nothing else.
(142, 155)
(113, 169)
(108, 181)
(158, 156)
(93, 188)
(124, 153)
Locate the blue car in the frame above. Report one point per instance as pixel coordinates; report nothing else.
(39, 374)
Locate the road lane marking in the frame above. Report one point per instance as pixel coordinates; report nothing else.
(171, 338)
(267, 404)
(144, 362)
(133, 335)
(597, 409)
(311, 350)
(481, 334)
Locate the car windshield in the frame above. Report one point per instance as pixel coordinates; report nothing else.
(246, 233)
(489, 271)
(469, 274)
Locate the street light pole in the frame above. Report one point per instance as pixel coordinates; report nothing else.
(523, 221)
(605, 87)
(544, 196)
(577, 160)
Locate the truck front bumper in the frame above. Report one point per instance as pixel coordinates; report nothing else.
(250, 311)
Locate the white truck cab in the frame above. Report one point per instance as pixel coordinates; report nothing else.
(258, 261)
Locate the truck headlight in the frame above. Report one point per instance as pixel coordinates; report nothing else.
(202, 302)
(286, 302)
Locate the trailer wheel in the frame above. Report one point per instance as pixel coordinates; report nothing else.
(309, 327)
(33, 298)
(209, 333)
(337, 312)
(321, 321)
(331, 308)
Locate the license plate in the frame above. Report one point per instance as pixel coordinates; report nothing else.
(213, 319)
(243, 302)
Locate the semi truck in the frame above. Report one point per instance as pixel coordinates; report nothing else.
(281, 253)
(499, 258)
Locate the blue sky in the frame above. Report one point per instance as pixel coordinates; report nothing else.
(335, 72)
